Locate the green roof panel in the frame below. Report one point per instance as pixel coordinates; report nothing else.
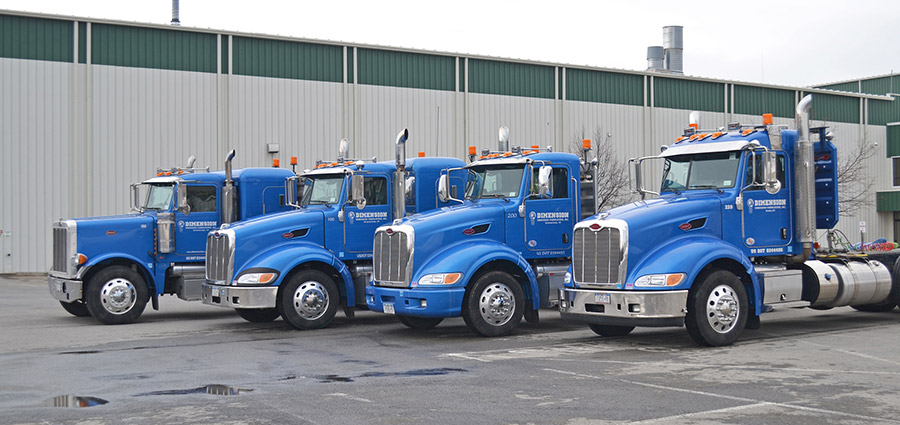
(688, 94)
(604, 87)
(829, 107)
(751, 100)
(287, 59)
(402, 69)
(139, 47)
(36, 38)
(511, 79)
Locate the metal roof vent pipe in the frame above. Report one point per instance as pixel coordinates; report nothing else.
(805, 183)
(175, 12)
(655, 58)
(673, 43)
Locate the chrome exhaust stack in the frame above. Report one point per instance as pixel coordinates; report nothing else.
(400, 175)
(804, 175)
(228, 192)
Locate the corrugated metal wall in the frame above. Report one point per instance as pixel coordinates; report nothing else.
(87, 107)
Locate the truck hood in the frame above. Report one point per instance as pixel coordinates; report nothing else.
(262, 233)
(131, 233)
(436, 229)
(654, 223)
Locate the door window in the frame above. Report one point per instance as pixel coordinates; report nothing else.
(202, 198)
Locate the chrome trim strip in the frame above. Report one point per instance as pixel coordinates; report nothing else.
(653, 304)
(65, 290)
(225, 296)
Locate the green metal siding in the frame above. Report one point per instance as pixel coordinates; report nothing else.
(882, 112)
(851, 86)
(401, 69)
(287, 59)
(350, 65)
(689, 95)
(883, 85)
(152, 48)
(893, 140)
(559, 80)
(759, 100)
(604, 87)
(828, 107)
(887, 201)
(82, 42)
(462, 74)
(511, 79)
(36, 38)
(224, 53)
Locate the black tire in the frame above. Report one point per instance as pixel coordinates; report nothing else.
(711, 319)
(76, 308)
(494, 305)
(309, 300)
(116, 295)
(420, 323)
(258, 315)
(892, 299)
(611, 330)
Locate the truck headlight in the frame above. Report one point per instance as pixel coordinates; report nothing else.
(657, 280)
(256, 278)
(567, 279)
(440, 279)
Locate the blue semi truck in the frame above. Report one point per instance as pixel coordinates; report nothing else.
(498, 254)
(110, 267)
(305, 264)
(731, 236)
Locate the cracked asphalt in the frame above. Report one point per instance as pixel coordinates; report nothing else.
(175, 366)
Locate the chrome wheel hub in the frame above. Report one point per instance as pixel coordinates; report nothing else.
(722, 309)
(311, 300)
(118, 295)
(497, 304)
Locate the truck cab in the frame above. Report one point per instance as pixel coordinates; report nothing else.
(304, 264)
(729, 236)
(110, 267)
(497, 254)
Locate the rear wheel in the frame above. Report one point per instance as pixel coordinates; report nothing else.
(420, 323)
(494, 305)
(258, 315)
(611, 330)
(717, 309)
(116, 295)
(309, 300)
(76, 308)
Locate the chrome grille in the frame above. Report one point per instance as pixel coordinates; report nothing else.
(597, 255)
(220, 256)
(60, 249)
(391, 258)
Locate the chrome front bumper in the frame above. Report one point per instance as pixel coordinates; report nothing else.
(65, 290)
(240, 297)
(623, 308)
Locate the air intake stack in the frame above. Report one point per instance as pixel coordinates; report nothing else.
(673, 43)
(655, 58)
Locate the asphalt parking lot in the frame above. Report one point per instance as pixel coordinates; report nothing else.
(194, 364)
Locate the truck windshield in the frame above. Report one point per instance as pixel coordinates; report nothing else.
(702, 171)
(322, 190)
(501, 181)
(159, 197)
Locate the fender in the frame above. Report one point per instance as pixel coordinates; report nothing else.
(285, 258)
(691, 255)
(469, 256)
(145, 272)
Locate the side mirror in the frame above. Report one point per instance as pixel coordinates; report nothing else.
(444, 188)
(544, 181)
(181, 193)
(135, 197)
(770, 175)
(357, 191)
(410, 181)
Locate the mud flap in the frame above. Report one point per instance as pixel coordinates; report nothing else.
(349, 312)
(531, 315)
(155, 302)
(752, 322)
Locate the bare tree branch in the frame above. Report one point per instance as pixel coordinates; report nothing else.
(854, 182)
(613, 182)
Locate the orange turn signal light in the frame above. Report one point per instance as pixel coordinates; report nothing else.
(421, 154)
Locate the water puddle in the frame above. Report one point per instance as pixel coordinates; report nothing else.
(74, 401)
(414, 372)
(80, 352)
(215, 389)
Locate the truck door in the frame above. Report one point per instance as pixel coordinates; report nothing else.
(766, 218)
(360, 224)
(191, 229)
(549, 221)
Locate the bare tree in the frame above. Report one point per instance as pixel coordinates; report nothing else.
(854, 183)
(613, 182)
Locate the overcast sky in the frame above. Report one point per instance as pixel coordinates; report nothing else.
(795, 43)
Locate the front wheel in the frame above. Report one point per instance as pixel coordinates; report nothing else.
(420, 323)
(76, 308)
(611, 330)
(717, 309)
(494, 305)
(258, 315)
(309, 300)
(116, 295)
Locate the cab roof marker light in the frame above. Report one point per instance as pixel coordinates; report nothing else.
(767, 119)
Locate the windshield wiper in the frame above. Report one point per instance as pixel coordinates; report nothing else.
(706, 186)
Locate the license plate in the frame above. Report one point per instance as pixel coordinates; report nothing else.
(601, 298)
(389, 308)
(222, 293)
